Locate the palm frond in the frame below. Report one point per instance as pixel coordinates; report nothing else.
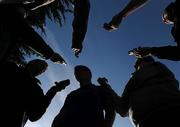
(54, 11)
(19, 54)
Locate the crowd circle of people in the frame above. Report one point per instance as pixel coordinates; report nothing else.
(151, 97)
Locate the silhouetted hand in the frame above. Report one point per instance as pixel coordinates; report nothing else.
(56, 58)
(62, 84)
(140, 52)
(114, 23)
(103, 82)
(77, 51)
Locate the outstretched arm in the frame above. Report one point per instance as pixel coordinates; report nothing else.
(37, 43)
(109, 115)
(165, 52)
(118, 103)
(57, 88)
(41, 102)
(80, 24)
(132, 6)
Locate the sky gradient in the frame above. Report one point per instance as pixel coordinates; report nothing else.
(105, 53)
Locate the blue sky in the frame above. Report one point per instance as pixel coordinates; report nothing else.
(105, 53)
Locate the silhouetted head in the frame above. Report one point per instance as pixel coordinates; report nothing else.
(142, 61)
(36, 67)
(83, 74)
(169, 14)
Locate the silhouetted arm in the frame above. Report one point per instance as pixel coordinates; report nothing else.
(40, 105)
(109, 115)
(122, 103)
(40, 102)
(166, 52)
(54, 89)
(112, 98)
(80, 23)
(37, 103)
(132, 6)
(36, 42)
(61, 116)
(176, 28)
(58, 120)
(108, 107)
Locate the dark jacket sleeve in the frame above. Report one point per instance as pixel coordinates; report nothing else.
(122, 105)
(176, 28)
(167, 52)
(108, 107)
(24, 33)
(62, 117)
(35, 41)
(35, 101)
(39, 102)
(80, 22)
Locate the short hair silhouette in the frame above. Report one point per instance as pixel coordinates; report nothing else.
(79, 68)
(36, 66)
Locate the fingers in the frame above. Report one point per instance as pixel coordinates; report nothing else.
(62, 84)
(114, 23)
(56, 58)
(102, 81)
(76, 51)
(63, 62)
(109, 27)
(140, 52)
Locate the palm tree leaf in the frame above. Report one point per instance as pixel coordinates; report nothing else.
(37, 18)
(54, 11)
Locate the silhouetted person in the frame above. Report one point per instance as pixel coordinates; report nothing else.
(15, 30)
(151, 97)
(170, 16)
(84, 107)
(24, 98)
(80, 24)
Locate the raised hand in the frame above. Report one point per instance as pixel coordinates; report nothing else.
(102, 81)
(77, 51)
(114, 23)
(140, 52)
(62, 84)
(56, 58)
